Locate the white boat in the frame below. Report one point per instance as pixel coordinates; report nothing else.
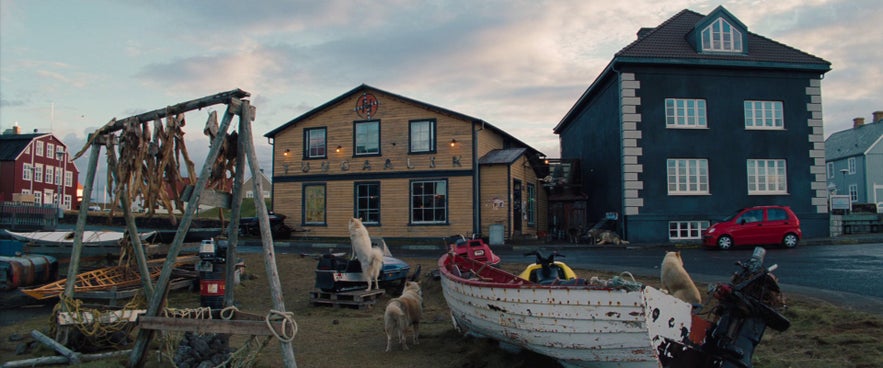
(605, 324)
(66, 238)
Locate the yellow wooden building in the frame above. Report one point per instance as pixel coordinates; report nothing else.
(408, 169)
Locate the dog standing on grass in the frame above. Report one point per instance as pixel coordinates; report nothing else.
(676, 280)
(403, 314)
(369, 257)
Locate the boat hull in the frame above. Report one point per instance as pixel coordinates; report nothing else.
(581, 326)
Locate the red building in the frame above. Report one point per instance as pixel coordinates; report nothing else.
(35, 168)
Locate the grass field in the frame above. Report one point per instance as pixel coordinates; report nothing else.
(822, 335)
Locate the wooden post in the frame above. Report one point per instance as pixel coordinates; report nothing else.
(140, 257)
(71, 355)
(266, 236)
(235, 213)
(162, 284)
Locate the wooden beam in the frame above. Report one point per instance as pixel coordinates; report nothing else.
(202, 326)
(71, 355)
(199, 103)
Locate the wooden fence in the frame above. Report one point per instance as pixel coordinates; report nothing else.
(18, 216)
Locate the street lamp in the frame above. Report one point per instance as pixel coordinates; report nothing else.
(59, 176)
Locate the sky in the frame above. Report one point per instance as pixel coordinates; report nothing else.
(69, 67)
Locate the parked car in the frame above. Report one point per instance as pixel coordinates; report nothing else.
(758, 225)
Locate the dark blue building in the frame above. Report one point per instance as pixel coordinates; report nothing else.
(695, 119)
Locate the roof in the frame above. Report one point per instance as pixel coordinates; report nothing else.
(501, 156)
(364, 87)
(11, 145)
(853, 142)
(668, 44)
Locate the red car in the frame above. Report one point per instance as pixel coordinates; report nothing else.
(758, 225)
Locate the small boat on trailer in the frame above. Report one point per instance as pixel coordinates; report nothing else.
(66, 238)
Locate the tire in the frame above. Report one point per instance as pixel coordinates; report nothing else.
(725, 242)
(790, 240)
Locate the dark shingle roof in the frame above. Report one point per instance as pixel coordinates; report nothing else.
(852, 142)
(669, 41)
(11, 145)
(501, 156)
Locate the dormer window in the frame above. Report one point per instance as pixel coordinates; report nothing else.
(720, 36)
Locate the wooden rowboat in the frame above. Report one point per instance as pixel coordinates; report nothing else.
(581, 324)
(66, 238)
(102, 279)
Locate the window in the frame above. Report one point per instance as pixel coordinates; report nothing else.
(429, 201)
(50, 172)
(68, 179)
(314, 204)
(750, 216)
(721, 36)
(367, 137)
(776, 214)
(830, 169)
(531, 204)
(767, 177)
(58, 176)
(67, 201)
(27, 172)
(422, 135)
(315, 144)
(851, 163)
(686, 230)
(685, 113)
(367, 200)
(853, 193)
(38, 198)
(38, 148)
(687, 176)
(50, 150)
(249, 194)
(38, 172)
(764, 115)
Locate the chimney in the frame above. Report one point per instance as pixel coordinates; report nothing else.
(16, 129)
(644, 31)
(878, 116)
(857, 122)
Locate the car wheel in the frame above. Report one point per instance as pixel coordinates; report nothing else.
(790, 241)
(725, 242)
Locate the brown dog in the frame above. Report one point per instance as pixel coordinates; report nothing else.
(403, 313)
(676, 280)
(609, 237)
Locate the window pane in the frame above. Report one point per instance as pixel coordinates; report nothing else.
(368, 138)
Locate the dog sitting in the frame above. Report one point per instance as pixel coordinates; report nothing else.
(609, 237)
(370, 258)
(403, 314)
(676, 280)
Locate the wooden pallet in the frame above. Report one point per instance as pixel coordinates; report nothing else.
(360, 299)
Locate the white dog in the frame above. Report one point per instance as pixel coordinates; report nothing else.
(404, 313)
(676, 280)
(369, 257)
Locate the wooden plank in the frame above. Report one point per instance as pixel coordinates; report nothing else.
(221, 326)
(72, 356)
(70, 318)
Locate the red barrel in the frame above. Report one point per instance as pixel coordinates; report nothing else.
(27, 270)
(212, 286)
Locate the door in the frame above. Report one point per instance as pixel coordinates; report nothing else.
(748, 227)
(776, 225)
(517, 210)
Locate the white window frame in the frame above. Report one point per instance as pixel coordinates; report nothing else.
(687, 176)
(50, 174)
(38, 148)
(764, 115)
(686, 113)
(686, 230)
(721, 36)
(249, 194)
(853, 192)
(38, 198)
(767, 176)
(50, 150)
(851, 163)
(68, 179)
(67, 201)
(27, 172)
(38, 173)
